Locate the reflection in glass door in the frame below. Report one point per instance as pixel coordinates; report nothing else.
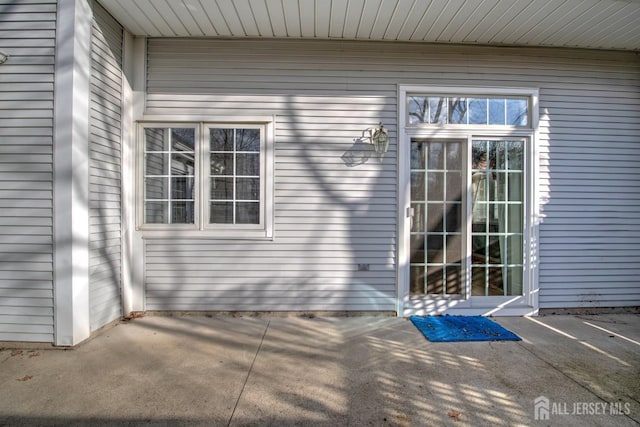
(438, 224)
(497, 195)
(447, 257)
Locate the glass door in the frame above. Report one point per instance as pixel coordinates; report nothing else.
(438, 183)
(466, 220)
(497, 217)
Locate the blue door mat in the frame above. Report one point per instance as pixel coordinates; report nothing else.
(461, 328)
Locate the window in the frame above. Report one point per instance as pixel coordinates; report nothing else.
(169, 175)
(214, 179)
(476, 110)
(234, 173)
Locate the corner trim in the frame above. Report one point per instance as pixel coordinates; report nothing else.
(71, 172)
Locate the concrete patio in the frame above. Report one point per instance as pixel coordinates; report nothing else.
(328, 371)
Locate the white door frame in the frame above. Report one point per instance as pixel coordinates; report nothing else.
(526, 304)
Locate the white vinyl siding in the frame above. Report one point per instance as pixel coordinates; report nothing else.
(104, 179)
(335, 208)
(26, 164)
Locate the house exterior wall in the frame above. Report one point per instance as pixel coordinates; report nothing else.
(26, 165)
(335, 204)
(105, 169)
(335, 209)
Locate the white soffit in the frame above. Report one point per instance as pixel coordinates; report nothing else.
(594, 24)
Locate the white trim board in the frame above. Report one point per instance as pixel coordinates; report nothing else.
(71, 172)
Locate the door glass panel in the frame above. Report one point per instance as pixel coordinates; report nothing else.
(436, 165)
(435, 217)
(418, 218)
(497, 217)
(435, 186)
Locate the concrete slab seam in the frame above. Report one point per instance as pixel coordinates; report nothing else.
(255, 356)
(584, 387)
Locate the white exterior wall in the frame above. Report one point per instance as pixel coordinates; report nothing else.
(26, 165)
(105, 169)
(330, 217)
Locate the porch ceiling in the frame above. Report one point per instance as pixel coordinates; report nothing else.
(595, 24)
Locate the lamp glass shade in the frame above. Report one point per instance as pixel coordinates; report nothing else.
(380, 140)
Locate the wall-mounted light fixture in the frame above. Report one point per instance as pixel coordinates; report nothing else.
(378, 137)
(3, 57)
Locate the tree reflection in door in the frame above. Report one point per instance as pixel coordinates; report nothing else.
(497, 217)
(439, 225)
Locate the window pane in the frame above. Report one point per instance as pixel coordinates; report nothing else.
(435, 217)
(478, 280)
(454, 283)
(435, 279)
(248, 213)
(222, 188)
(155, 139)
(247, 139)
(156, 212)
(479, 155)
(183, 139)
(499, 182)
(454, 156)
(516, 155)
(514, 249)
(248, 188)
(517, 111)
(235, 169)
(221, 213)
(435, 245)
(417, 249)
(435, 186)
(479, 242)
(156, 188)
(182, 213)
(516, 220)
(416, 285)
(515, 187)
(248, 164)
(496, 282)
(156, 164)
(437, 110)
(417, 186)
(454, 186)
(221, 139)
(182, 188)
(221, 164)
(458, 111)
(417, 223)
(417, 154)
(496, 111)
(478, 111)
(514, 281)
(454, 248)
(418, 109)
(435, 157)
(182, 164)
(454, 216)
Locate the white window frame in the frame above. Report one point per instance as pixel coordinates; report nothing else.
(526, 304)
(201, 227)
